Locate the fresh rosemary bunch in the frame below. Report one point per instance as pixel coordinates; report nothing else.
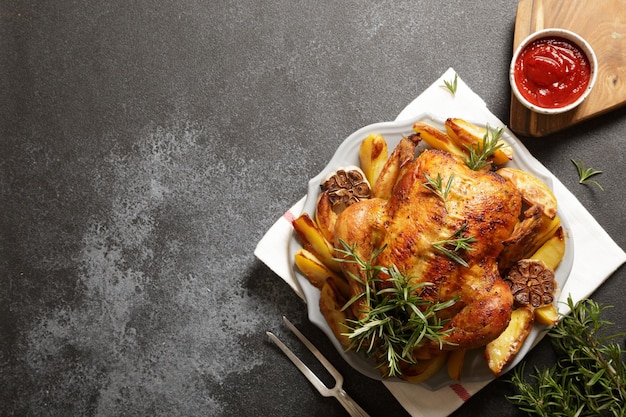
(398, 319)
(479, 155)
(589, 377)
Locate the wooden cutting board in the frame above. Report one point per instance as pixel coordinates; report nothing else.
(603, 24)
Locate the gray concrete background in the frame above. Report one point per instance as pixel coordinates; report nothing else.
(146, 146)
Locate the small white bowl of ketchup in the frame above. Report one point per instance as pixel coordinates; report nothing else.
(553, 71)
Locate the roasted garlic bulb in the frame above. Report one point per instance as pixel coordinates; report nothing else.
(345, 187)
(532, 283)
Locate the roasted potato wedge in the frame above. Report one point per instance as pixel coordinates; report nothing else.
(317, 273)
(331, 303)
(456, 358)
(312, 239)
(373, 155)
(501, 351)
(437, 139)
(424, 369)
(553, 250)
(547, 315)
(466, 134)
(533, 190)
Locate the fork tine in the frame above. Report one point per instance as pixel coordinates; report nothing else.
(329, 367)
(315, 381)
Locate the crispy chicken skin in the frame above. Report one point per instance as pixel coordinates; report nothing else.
(414, 217)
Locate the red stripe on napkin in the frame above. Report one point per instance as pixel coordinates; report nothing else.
(289, 216)
(460, 391)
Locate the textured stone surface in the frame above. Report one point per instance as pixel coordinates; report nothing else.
(146, 146)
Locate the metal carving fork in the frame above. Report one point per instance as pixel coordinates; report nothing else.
(337, 391)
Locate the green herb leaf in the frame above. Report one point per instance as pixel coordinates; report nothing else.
(398, 318)
(479, 155)
(589, 377)
(436, 185)
(454, 244)
(451, 85)
(585, 174)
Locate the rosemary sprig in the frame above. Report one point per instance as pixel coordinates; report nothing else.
(451, 85)
(589, 377)
(398, 318)
(436, 185)
(479, 154)
(454, 244)
(585, 174)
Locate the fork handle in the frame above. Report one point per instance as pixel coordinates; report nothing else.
(350, 405)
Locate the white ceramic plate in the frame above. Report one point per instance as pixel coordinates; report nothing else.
(475, 367)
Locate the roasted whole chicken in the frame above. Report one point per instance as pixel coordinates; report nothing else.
(482, 203)
(421, 204)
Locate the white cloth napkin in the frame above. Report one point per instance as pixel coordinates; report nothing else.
(596, 255)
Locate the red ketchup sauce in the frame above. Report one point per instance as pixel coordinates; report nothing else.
(552, 72)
